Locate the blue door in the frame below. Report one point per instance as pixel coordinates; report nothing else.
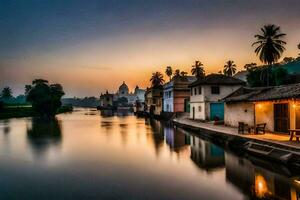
(217, 111)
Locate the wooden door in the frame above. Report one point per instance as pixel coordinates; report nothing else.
(281, 117)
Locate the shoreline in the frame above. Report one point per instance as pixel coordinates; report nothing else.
(26, 111)
(271, 150)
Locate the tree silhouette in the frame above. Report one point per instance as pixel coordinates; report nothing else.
(269, 46)
(27, 89)
(229, 68)
(157, 79)
(45, 98)
(198, 70)
(177, 73)
(250, 66)
(169, 72)
(299, 47)
(183, 74)
(6, 93)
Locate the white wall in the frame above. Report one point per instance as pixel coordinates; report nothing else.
(239, 112)
(225, 90)
(198, 114)
(168, 100)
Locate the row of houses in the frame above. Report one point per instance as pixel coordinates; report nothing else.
(217, 97)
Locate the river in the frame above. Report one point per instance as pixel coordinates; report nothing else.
(85, 155)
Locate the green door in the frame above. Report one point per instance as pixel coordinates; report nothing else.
(217, 111)
(186, 105)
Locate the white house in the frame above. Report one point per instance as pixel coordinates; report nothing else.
(207, 93)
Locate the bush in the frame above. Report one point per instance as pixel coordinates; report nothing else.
(1, 105)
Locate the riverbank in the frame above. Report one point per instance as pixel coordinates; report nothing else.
(16, 111)
(269, 146)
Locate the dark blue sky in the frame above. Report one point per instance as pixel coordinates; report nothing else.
(39, 37)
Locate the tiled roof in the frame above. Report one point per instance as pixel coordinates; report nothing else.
(265, 93)
(217, 79)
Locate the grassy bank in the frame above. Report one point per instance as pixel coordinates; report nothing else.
(17, 111)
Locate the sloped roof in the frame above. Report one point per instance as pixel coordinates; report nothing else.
(265, 93)
(218, 79)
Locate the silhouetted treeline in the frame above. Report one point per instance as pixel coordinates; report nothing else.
(81, 102)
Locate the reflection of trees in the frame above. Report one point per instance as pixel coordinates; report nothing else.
(157, 133)
(6, 128)
(43, 134)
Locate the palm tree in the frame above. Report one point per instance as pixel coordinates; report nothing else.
(169, 72)
(157, 79)
(177, 73)
(269, 46)
(6, 93)
(229, 68)
(198, 70)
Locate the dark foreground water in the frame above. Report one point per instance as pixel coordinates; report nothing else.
(83, 155)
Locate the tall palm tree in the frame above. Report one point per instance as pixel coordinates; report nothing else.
(269, 46)
(229, 68)
(157, 79)
(177, 73)
(198, 70)
(169, 72)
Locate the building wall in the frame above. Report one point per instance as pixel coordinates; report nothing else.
(264, 113)
(179, 100)
(239, 112)
(199, 114)
(168, 105)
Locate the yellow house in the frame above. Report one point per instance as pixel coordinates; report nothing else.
(277, 106)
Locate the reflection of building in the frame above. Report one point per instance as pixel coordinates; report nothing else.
(206, 155)
(123, 93)
(177, 94)
(258, 182)
(176, 139)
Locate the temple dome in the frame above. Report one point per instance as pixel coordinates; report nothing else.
(123, 88)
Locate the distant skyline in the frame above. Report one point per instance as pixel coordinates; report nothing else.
(91, 46)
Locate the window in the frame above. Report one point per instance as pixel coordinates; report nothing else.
(170, 94)
(199, 108)
(195, 91)
(215, 89)
(191, 92)
(199, 90)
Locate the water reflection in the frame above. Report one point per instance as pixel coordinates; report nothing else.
(206, 155)
(43, 134)
(126, 157)
(259, 182)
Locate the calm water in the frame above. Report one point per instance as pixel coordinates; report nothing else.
(83, 155)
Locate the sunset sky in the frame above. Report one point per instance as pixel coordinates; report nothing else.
(90, 46)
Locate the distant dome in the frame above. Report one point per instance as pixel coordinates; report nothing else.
(123, 88)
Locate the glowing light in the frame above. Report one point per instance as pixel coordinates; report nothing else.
(261, 187)
(259, 105)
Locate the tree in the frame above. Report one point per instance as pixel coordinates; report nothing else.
(6, 93)
(169, 72)
(288, 59)
(198, 70)
(183, 74)
(157, 79)
(27, 89)
(229, 68)
(45, 98)
(299, 48)
(177, 73)
(269, 46)
(250, 66)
